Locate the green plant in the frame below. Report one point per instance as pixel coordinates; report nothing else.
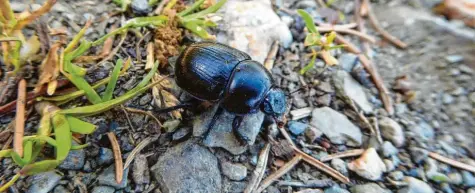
(314, 39)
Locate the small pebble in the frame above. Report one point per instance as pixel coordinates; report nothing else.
(60, 189)
(368, 188)
(454, 58)
(105, 156)
(75, 159)
(103, 189)
(107, 177)
(415, 186)
(140, 7)
(339, 165)
(234, 171)
(140, 170)
(396, 175)
(44, 182)
(297, 128)
(181, 133)
(468, 179)
(389, 149)
(336, 189)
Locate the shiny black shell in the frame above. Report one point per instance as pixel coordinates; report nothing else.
(203, 69)
(216, 72)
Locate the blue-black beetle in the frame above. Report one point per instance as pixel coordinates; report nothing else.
(221, 74)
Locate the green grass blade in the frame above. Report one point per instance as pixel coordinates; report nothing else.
(111, 86)
(195, 28)
(308, 21)
(205, 12)
(104, 106)
(39, 167)
(81, 84)
(79, 126)
(9, 183)
(309, 66)
(193, 7)
(62, 136)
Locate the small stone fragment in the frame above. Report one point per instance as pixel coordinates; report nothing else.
(391, 131)
(44, 182)
(105, 156)
(415, 186)
(296, 127)
(234, 171)
(368, 188)
(388, 149)
(336, 127)
(336, 189)
(107, 177)
(140, 7)
(339, 165)
(369, 165)
(75, 159)
(103, 189)
(140, 171)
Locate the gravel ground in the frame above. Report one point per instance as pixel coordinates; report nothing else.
(438, 114)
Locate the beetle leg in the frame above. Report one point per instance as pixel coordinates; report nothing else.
(216, 115)
(236, 124)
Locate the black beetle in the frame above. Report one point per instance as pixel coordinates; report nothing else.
(221, 74)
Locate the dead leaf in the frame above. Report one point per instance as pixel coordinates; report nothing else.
(169, 101)
(49, 70)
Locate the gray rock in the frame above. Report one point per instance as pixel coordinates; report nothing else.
(336, 126)
(44, 182)
(454, 58)
(389, 149)
(392, 131)
(187, 167)
(252, 26)
(336, 189)
(369, 165)
(396, 175)
(60, 189)
(181, 133)
(347, 86)
(468, 179)
(145, 100)
(140, 171)
(347, 61)
(447, 99)
(447, 148)
(107, 177)
(310, 191)
(234, 171)
(140, 7)
(446, 188)
(418, 154)
(312, 133)
(424, 131)
(75, 159)
(339, 165)
(472, 97)
(296, 127)
(234, 187)
(103, 189)
(105, 156)
(455, 178)
(389, 165)
(432, 172)
(368, 188)
(415, 186)
(222, 135)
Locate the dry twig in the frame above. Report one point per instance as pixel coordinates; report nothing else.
(452, 162)
(270, 59)
(379, 29)
(279, 173)
(259, 171)
(349, 153)
(132, 110)
(361, 35)
(128, 118)
(20, 118)
(119, 168)
(378, 82)
(360, 26)
(150, 56)
(137, 150)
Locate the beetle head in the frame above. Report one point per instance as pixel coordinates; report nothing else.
(275, 103)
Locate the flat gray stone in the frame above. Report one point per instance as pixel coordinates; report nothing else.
(103, 189)
(107, 177)
(187, 167)
(347, 85)
(44, 182)
(336, 127)
(368, 188)
(222, 135)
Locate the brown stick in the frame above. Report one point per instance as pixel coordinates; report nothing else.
(150, 56)
(349, 153)
(270, 59)
(374, 21)
(279, 173)
(452, 162)
(378, 82)
(20, 118)
(360, 26)
(361, 35)
(259, 171)
(119, 168)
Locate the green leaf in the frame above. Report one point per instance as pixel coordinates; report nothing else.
(111, 86)
(82, 84)
(76, 147)
(104, 106)
(308, 21)
(205, 12)
(197, 29)
(331, 37)
(80, 126)
(312, 39)
(39, 167)
(9, 183)
(309, 66)
(62, 136)
(337, 46)
(193, 7)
